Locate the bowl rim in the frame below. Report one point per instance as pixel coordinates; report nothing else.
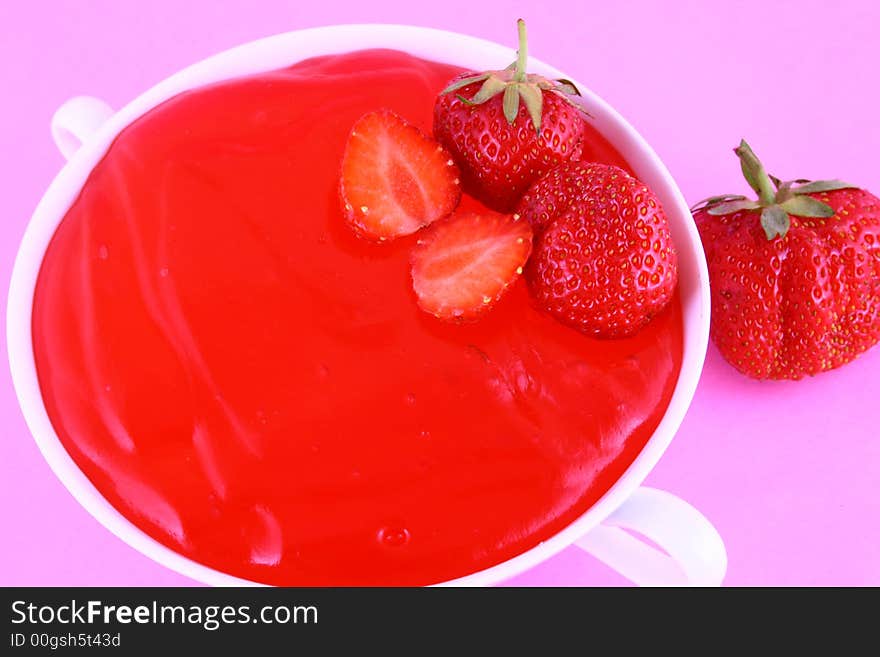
(282, 50)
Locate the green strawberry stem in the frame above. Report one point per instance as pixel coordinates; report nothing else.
(776, 199)
(516, 86)
(755, 173)
(522, 53)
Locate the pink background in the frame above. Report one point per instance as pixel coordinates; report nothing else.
(788, 472)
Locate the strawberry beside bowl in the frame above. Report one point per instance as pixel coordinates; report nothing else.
(83, 128)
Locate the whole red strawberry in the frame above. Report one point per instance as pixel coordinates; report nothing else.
(603, 260)
(795, 275)
(507, 128)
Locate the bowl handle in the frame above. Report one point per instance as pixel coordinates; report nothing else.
(76, 120)
(691, 552)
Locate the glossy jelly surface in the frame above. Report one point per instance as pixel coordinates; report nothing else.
(254, 387)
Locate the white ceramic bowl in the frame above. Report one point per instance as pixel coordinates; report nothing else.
(84, 128)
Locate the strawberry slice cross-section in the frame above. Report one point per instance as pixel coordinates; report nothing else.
(395, 180)
(463, 265)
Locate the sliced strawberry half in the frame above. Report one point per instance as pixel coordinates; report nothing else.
(395, 180)
(462, 265)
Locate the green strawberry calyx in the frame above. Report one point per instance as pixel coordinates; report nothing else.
(777, 199)
(517, 85)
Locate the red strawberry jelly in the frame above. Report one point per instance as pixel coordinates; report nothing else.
(255, 387)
